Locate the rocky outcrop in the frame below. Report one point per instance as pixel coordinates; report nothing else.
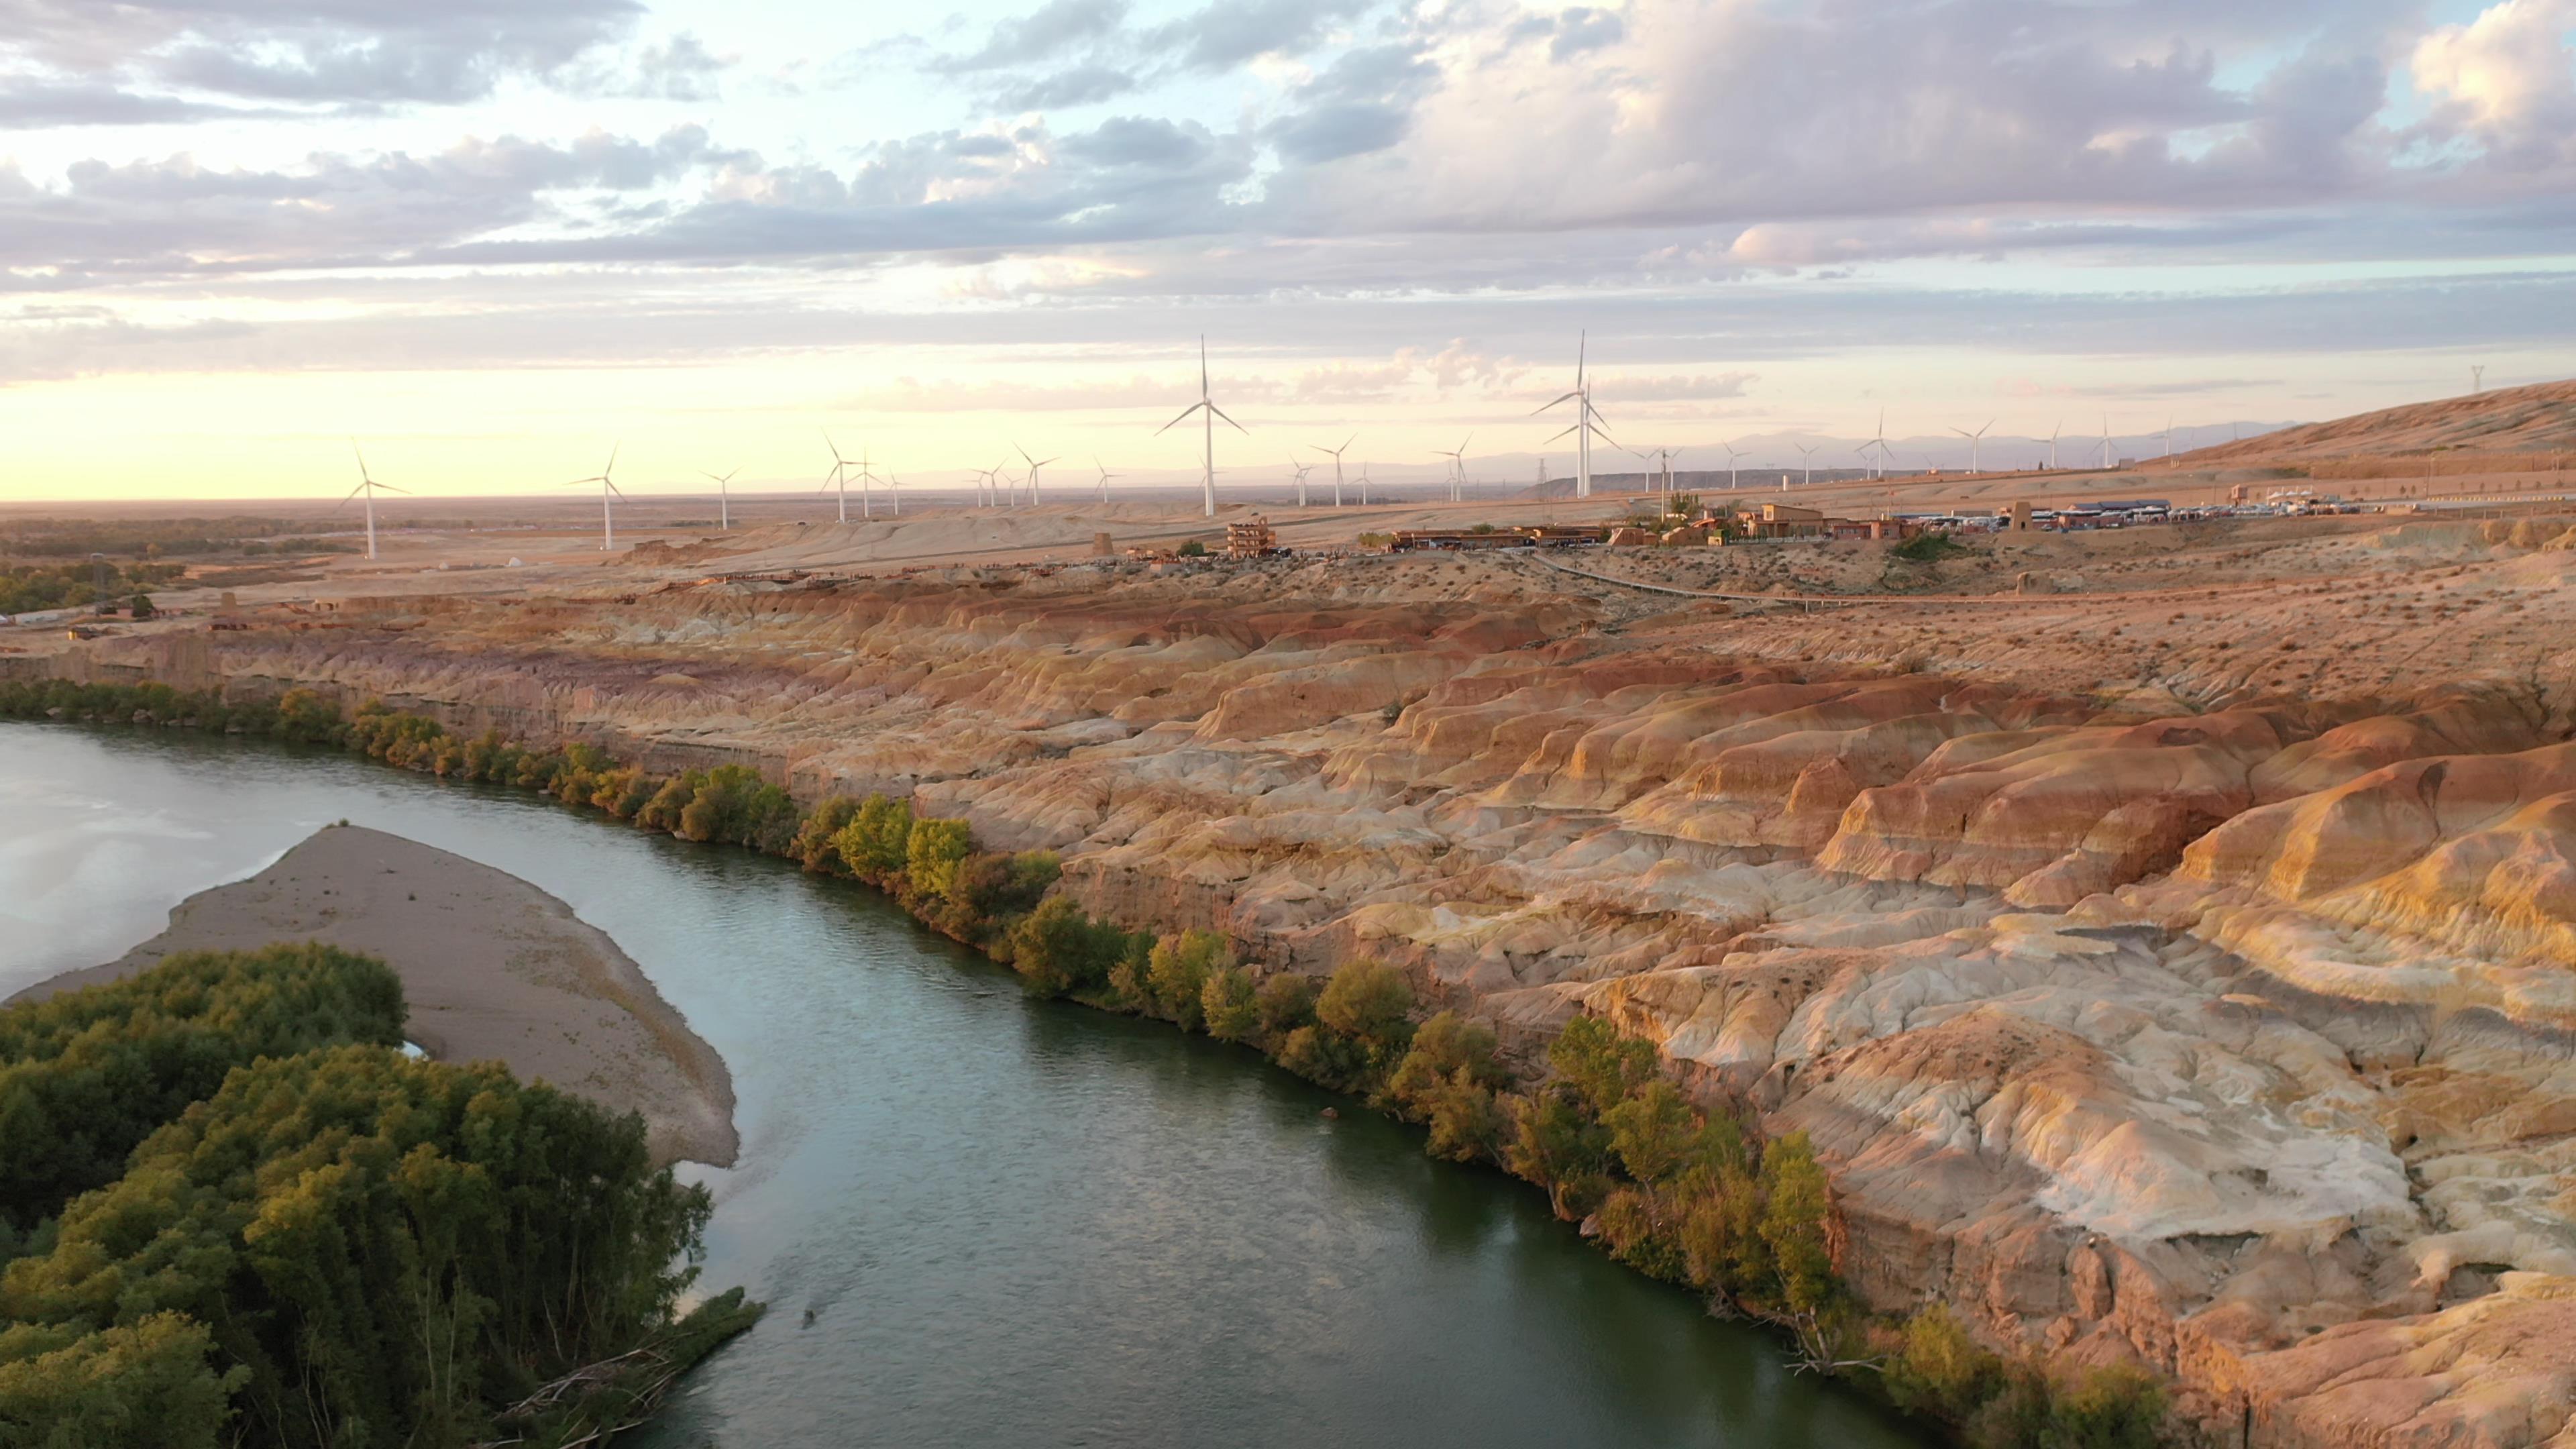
(2230, 1040)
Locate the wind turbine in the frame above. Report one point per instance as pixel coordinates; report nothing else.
(1973, 440)
(2106, 440)
(1364, 483)
(1878, 440)
(1807, 453)
(607, 489)
(1105, 476)
(1302, 470)
(840, 475)
(1457, 465)
(2168, 435)
(1337, 464)
(1587, 421)
(724, 499)
(367, 485)
(1732, 453)
(894, 500)
(1207, 405)
(1034, 465)
(2052, 444)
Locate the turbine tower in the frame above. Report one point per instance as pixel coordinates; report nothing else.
(1337, 464)
(1974, 439)
(1302, 470)
(1105, 476)
(1457, 466)
(1587, 421)
(724, 499)
(1732, 453)
(1807, 454)
(1878, 440)
(367, 486)
(840, 475)
(607, 489)
(1034, 465)
(1211, 412)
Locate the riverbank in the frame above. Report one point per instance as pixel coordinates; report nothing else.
(493, 968)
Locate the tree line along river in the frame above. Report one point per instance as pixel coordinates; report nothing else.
(979, 1219)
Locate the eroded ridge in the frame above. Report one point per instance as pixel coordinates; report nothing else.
(2141, 1005)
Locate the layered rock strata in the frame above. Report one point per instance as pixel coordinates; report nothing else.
(2233, 1039)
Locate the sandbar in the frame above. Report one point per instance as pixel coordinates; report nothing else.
(494, 969)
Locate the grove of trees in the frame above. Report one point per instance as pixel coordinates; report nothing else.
(238, 1214)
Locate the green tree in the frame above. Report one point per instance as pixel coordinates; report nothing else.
(1177, 971)
(813, 845)
(1798, 1204)
(2117, 1407)
(1229, 1004)
(147, 1385)
(1555, 1143)
(1448, 1079)
(877, 843)
(1286, 1001)
(1059, 950)
(90, 1073)
(1601, 1065)
(935, 855)
(1940, 1372)
(1653, 1130)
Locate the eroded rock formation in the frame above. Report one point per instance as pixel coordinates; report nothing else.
(2226, 1032)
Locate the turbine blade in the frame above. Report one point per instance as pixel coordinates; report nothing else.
(353, 493)
(387, 487)
(1534, 412)
(1183, 418)
(612, 457)
(1229, 422)
(1566, 433)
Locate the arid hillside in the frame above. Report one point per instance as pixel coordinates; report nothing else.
(2164, 935)
(2539, 418)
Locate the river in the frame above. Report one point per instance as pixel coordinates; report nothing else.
(979, 1220)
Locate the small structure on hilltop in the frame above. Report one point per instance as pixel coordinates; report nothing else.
(1102, 546)
(1254, 538)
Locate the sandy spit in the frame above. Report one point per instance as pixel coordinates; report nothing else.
(494, 969)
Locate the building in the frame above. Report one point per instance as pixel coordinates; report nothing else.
(1252, 539)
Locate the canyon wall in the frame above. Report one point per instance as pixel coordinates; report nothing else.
(2228, 1034)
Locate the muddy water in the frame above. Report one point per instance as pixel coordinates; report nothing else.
(979, 1220)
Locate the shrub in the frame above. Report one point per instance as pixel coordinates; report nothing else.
(2108, 1408)
(1059, 950)
(1938, 1371)
(935, 855)
(1176, 975)
(1370, 1002)
(876, 844)
(1228, 1002)
(1599, 1064)
(1448, 1079)
(813, 845)
(1191, 549)
(1653, 1131)
(1286, 1001)
(1555, 1143)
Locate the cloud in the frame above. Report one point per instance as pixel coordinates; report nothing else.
(1045, 35)
(1229, 33)
(1676, 387)
(2506, 79)
(360, 55)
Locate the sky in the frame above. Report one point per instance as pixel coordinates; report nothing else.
(493, 239)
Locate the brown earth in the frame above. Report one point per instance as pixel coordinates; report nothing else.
(2165, 935)
(492, 968)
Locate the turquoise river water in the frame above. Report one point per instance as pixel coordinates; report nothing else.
(1014, 1223)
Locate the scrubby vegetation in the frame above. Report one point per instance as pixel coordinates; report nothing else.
(238, 1215)
(1690, 1195)
(25, 589)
